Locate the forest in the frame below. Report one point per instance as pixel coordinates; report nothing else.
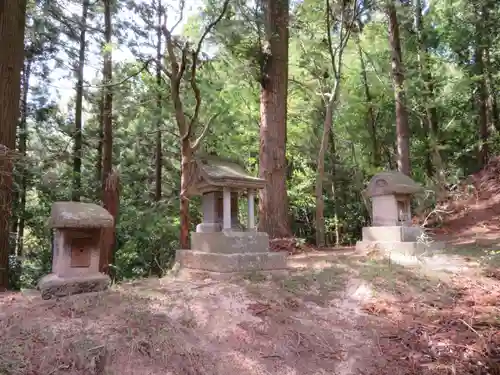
(108, 101)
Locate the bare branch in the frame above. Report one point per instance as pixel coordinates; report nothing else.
(340, 47)
(135, 74)
(194, 63)
(197, 96)
(183, 3)
(329, 35)
(184, 62)
(165, 70)
(170, 49)
(204, 133)
(356, 13)
(208, 30)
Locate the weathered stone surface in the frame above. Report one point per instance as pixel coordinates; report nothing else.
(189, 273)
(54, 286)
(237, 262)
(77, 215)
(399, 247)
(392, 233)
(213, 174)
(230, 242)
(391, 183)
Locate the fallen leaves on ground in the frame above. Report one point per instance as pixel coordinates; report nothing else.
(290, 245)
(455, 329)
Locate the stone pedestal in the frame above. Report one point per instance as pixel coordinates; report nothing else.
(54, 286)
(404, 240)
(228, 251)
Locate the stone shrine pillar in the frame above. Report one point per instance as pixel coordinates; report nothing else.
(251, 210)
(226, 209)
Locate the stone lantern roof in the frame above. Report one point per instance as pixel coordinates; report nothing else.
(77, 215)
(392, 183)
(213, 174)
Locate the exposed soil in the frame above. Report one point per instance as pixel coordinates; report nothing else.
(471, 212)
(342, 313)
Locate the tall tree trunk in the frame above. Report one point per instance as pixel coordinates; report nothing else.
(155, 266)
(158, 166)
(370, 113)
(492, 92)
(186, 126)
(481, 103)
(481, 98)
(100, 139)
(78, 138)
(109, 178)
(12, 22)
(320, 171)
(186, 164)
(402, 125)
(334, 189)
(273, 202)
(19, 196)
(23, 140)
(320, 176)
(434, 163)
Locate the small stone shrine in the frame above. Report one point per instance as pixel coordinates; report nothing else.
(221, 243)
(392, 228)
(76, 252)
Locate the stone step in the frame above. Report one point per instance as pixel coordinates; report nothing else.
(230, 242)
(237, 262)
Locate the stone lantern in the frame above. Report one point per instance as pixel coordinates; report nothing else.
(221, 243)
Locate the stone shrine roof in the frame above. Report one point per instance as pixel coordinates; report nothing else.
(213, 173)
(392, 182)
(77, 215)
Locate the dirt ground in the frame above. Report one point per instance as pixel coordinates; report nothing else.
(332, 313)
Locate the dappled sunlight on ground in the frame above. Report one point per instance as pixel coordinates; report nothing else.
(332, 313)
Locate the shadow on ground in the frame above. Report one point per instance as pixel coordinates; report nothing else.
(181, 327)
(350, 314)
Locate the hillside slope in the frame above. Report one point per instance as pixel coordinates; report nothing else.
(472, 213)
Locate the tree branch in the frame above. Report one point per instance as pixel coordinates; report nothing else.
(209, 29)
(183, 3)
(195, 54)
(197, 95)
(170, 49)
(165, 70)
(135, 74)
(329, 35)
(182, 68)
(203, 134)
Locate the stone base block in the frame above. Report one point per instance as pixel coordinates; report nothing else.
(223, 263)
(392, 233)
(193, 274)
(54, 286)
(404, 248)
(230, 242)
